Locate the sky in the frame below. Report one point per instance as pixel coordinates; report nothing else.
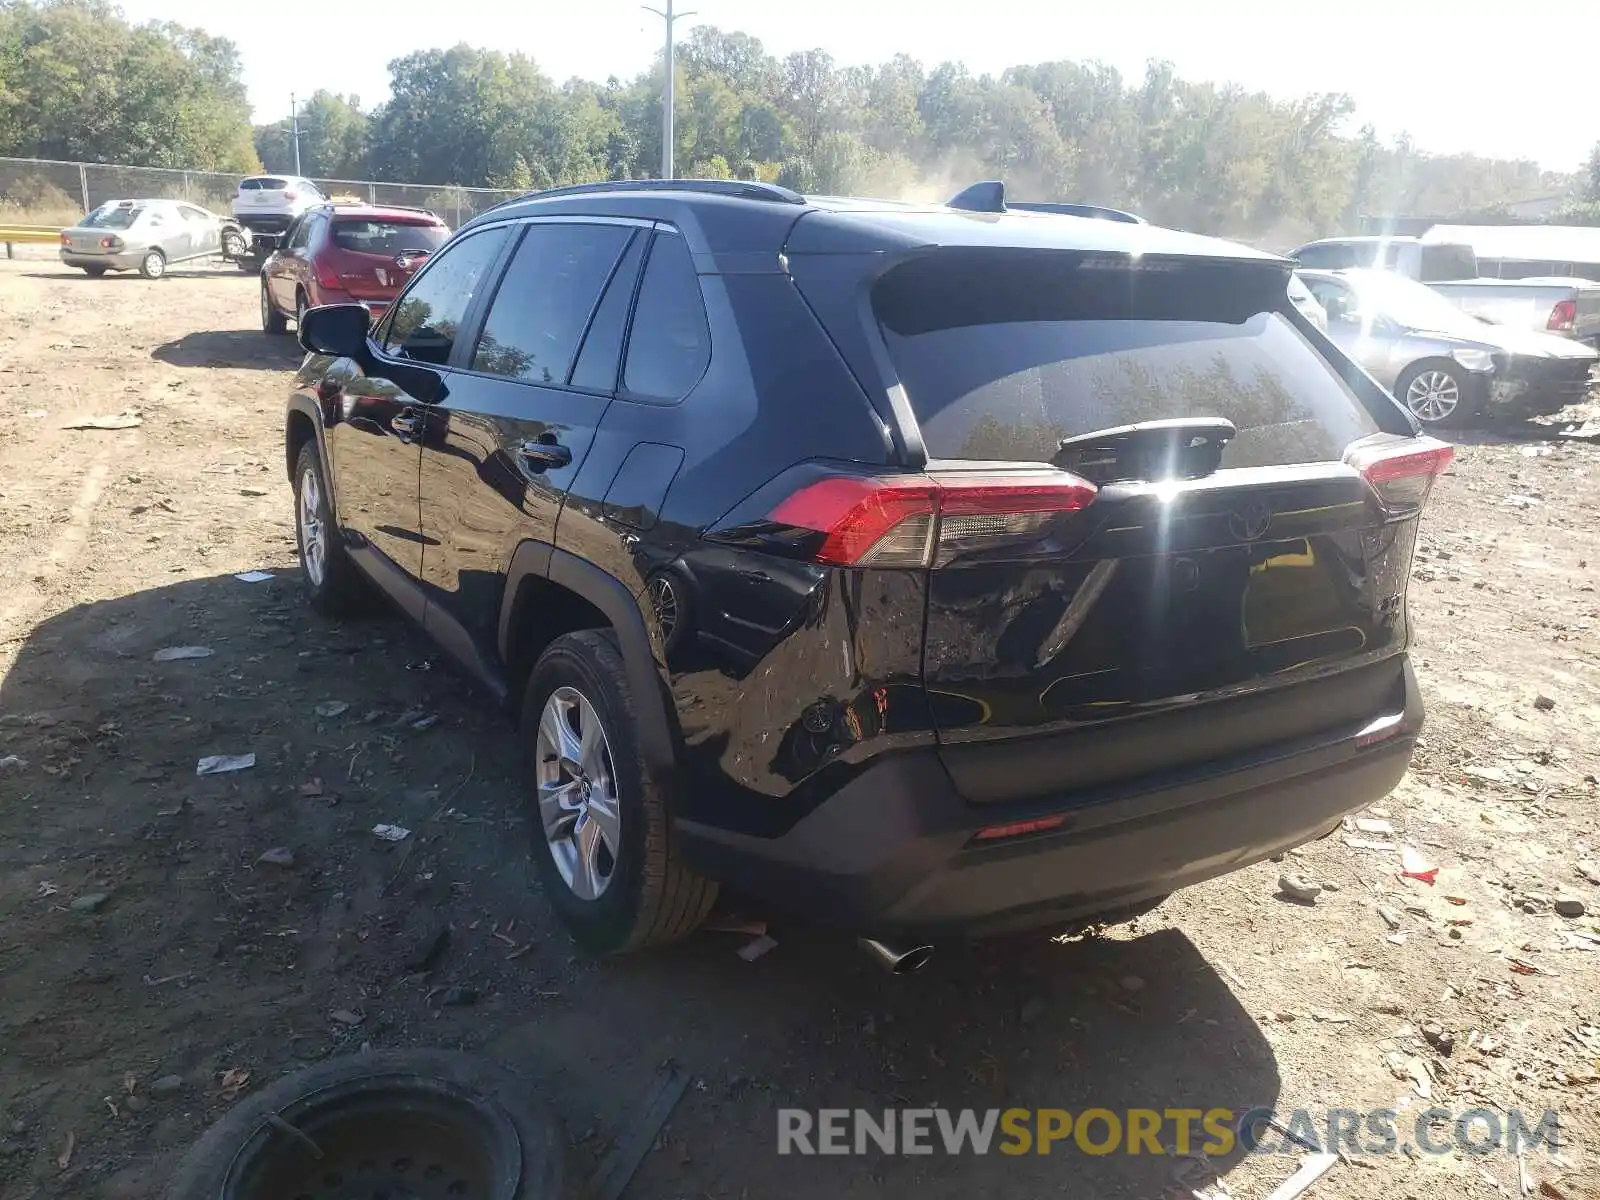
(1472, 76)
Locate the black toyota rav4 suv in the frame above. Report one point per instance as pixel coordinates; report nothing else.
(925, 570)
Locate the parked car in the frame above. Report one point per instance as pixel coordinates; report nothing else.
(1568, 307)
(266, 205)
(1303, 299)
(1447, 367)
(1415, 258)
(147, 236)
(343, 254)
(1065, 571)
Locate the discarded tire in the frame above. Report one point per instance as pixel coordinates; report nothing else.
(428, 1124)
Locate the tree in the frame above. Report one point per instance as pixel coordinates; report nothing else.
(77, 81)
(333, 139)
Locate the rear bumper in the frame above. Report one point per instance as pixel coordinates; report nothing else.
(893, 851)
(125, 260)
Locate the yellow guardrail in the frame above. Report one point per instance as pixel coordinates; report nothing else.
(24, 235)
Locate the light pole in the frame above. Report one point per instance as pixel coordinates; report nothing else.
(666, 95)
(294, 121)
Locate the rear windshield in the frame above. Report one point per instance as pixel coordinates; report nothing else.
(111, 216)
(1448, 262)
(266, 183)
(1002, 357)
(386, 237)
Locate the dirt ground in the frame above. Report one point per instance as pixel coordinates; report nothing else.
(200, 963)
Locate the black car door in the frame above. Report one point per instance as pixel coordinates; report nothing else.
(375, 438)
(525, 398)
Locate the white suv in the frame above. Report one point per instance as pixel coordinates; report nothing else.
(270, 203)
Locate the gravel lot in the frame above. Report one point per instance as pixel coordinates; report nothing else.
(200, 958)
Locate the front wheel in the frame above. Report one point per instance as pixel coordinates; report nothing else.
(153, 265)
(331, 582)
(233, 245)
(272, 321)
(1435, 393)
(602, 832)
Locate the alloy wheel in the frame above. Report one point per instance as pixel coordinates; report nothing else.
(663, 598)
(155, 266)
(313, 530)
(1433, 396)
(578, 804)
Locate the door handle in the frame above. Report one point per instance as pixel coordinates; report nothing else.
(408, 424)
(542, 455)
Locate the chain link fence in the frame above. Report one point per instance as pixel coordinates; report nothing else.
(37, 191)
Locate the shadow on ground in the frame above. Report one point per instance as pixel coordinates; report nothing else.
(247, 348)
(203, 959)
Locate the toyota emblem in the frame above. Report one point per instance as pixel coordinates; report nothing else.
(1251, 521)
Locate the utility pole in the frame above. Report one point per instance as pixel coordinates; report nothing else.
(294, 121)
(666, 94)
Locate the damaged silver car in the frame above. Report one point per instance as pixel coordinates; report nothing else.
(1448, 368)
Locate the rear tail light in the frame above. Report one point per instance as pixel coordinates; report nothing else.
(926, 520)
(995, 833)
(1563, 317)
(66, 238)
(328, 276)
(290, 193)
(110, 243)
(1401, 470)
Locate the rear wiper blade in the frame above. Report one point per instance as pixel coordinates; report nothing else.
(1150, 451)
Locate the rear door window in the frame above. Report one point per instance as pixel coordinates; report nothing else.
(1002, 356)
(545, 300)
(1326, 256)
(1448, 262)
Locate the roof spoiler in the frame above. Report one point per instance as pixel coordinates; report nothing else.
(990, 197)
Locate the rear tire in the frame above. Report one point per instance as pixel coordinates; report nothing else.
(648, 896)
(272, 321)
(300, 307)
(153, 265)
(332, 581)
(233, 245)
(95, 272)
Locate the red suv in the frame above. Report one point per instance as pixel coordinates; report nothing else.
(346, 254)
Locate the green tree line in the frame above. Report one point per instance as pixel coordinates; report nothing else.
(79, 82)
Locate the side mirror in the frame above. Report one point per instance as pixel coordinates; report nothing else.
(339, 330)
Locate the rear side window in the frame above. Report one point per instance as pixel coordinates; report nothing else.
(264, 183)
(1448, 262)
(1329, 256)
(543, 305)
(425, 319)
(670, 346)
(1003, 356)
(598, 361)
(388, 238)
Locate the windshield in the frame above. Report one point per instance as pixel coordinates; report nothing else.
(367, 236)
(1409, 303)
(112, 216)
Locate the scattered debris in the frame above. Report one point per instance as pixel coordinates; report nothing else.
(128, 418)
(253, 576)
(1390, 917)
(733, 923)
(231, 1082)
(64, 1159)
(392, 833)
(427, 722)
(756, 947)
(1312, 1168)
(1543, 703)
(1298, 888)
(91, 903)
(345, 1017)
(311, 787)
(331, 708)
(1588, 870)
(1374, 825)
(13, 762)
(459, 997)
(277, 856)
(1440, 1038)
(221, 764)
(254, 491)
(1570, 906)
(1356, 843)
(166, 1085)
(1414, 866)
(180, 653)
(1331, 1018)
(614, 1173)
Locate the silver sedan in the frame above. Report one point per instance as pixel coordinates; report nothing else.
(147, 236)
(1447, 367)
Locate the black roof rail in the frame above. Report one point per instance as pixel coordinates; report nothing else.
(990, 197)
(740, 189)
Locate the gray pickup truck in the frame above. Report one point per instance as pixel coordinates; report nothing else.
(1555, 304)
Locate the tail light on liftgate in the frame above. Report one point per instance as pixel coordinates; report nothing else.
(1401, 470)
(1563, 317)
(328, 274)
(66, 238)
(922, 520)
(290, 194)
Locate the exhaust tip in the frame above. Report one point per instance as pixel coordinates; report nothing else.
(896, 959)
